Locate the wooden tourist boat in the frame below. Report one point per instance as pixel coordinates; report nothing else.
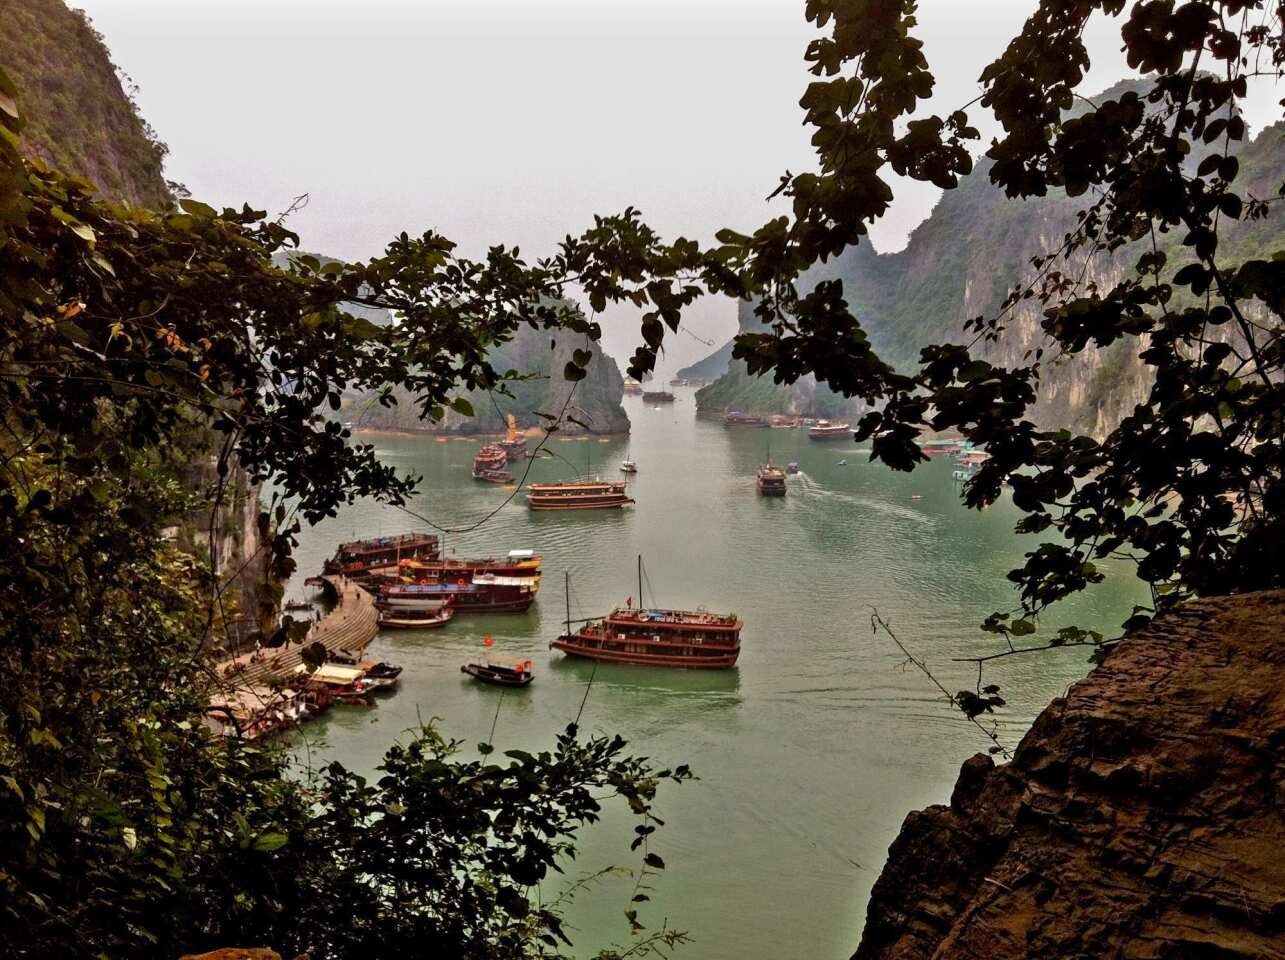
(412, 618)
(658, 638)
(657, 396)
(488, 465)
(503, 672)
(633, 388)
(825, 430)
(771, 480)
(946, 446)
(518, 563)
(595, 494)
(735, 418)
(360, 557)
(485, 593)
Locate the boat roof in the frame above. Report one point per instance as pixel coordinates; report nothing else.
(430, 588)
(673, 616)
(496, 580)
(340, 673)
(521, 554)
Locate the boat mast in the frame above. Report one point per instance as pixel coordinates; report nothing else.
(640, 593)
(567, 574)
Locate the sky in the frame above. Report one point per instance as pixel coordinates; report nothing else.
(515, 121)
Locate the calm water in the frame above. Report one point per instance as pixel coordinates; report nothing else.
(813, 750)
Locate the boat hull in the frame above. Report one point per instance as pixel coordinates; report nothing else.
(723, 660)
(495, 677)
(604, 505)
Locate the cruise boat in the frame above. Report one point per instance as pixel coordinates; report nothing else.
(518, 563)
(484, 593)
(360, 558)
(734, 418)
(825, 430)
(657, 396)
(771, 480)
(488, 465)
(585, 494)
(659, 638)
(633, 388)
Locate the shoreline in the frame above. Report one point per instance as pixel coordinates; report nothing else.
(530, 433)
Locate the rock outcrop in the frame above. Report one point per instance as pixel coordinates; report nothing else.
(1142, 816)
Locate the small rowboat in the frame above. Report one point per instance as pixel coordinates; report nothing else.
(503, 673)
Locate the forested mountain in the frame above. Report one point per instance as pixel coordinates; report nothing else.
(79, 116)
(961, 262)
(596, 403)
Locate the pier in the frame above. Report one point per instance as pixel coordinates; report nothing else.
(349, 627)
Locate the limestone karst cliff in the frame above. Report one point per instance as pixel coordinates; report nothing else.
(1142, 816)
(961, 262)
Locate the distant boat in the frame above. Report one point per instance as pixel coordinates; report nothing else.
(792, 467)
(629, 466)
(771, 480)
(843, 462)
(916, 496)
(825, 430)
(657, 396)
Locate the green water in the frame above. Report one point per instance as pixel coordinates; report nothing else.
(813, 750)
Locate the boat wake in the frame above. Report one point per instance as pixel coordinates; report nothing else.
(807, 487)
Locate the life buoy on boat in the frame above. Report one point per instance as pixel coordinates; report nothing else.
(461, 582)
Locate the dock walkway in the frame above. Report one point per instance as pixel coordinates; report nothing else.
(349, 627)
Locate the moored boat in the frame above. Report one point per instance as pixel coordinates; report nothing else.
(825, 430)
(633, 388)
(736, 418)
(659, 638)
(359, 558)
(411, 618)
(586, 494)
(657, 396)
(514, 444)
(518, 563)
(485, 593)
(502, 672)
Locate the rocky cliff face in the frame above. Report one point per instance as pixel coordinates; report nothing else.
(961, 262)
(596, 403)
(81, 120)
(1142, 816)
(79, 117)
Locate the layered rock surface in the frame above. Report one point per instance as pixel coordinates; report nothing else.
(1142, 816)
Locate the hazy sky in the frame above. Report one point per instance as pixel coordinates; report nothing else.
(514, 121)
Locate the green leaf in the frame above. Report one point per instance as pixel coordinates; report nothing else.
(462, 406)
(267, 842)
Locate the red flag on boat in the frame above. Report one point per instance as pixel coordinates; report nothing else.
(489, 641)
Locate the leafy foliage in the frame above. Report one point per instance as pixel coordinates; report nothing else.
(123, 327)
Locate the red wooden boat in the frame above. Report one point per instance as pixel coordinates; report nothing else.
(825, 430)
(596, 494)
(518, 563)
(771, 480)
(485, 593)
(658, 638)
(488, 465)
(359, 558)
